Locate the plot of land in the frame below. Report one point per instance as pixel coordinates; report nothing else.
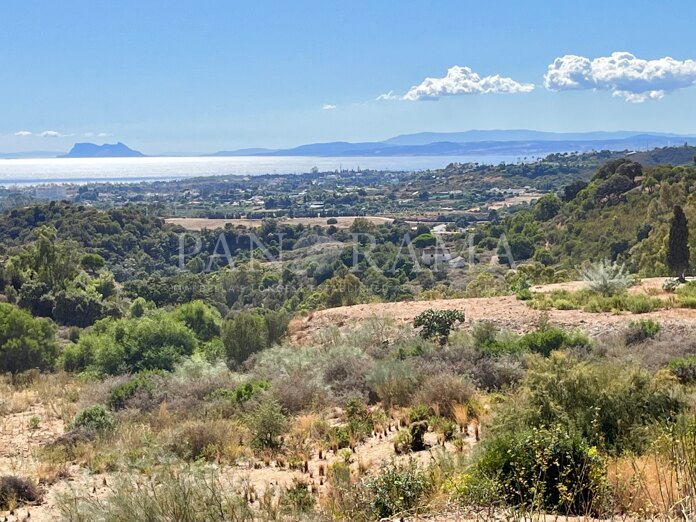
(198, 224)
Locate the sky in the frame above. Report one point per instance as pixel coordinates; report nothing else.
(170, 76)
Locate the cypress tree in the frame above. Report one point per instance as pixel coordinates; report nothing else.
(678, 244)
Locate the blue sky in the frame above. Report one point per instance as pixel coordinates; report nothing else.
(197, 76)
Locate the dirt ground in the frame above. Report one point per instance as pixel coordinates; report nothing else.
(507, 312)
(197, 224)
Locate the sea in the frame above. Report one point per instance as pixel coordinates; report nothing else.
(19, 172)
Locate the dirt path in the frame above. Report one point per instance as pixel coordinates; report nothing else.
(506, 312)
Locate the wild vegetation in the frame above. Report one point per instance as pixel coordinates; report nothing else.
(139, 387)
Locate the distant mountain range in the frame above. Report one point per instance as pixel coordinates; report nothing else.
(469, 143)
(108, 150)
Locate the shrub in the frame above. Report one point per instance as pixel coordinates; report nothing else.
(394, 382)
(25, 342)
(243, 337)
(187, 495)
(396, 488)
(95, 419)
(141, 382)
(297, 499)
(606, 278)
(267, 424)
(437, 324)
(684, 369)
(544, 469)
(443, 392)
(639, 331)
(206, 439)
(15, 491)
(297, 391)
(609, 405)
(202, 319)
(546, 340)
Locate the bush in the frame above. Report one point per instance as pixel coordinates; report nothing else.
(397, 488)
(15, 491)
(243, 337)
(95, 419)
(437, 324)
(189, 494)
(639, 331)
(25, 342)
(684, 369)
(202, 319)
(206, 439)
(544, 469)
(546, 340)
(610, 405)
(267, 424)
(141, 382)
(394, 382)
(443, 392)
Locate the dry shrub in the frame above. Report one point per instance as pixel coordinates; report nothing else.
(345, 372)
(209, 440)
(15, 491)
(298, 391)
(442, 392)
(644, 485)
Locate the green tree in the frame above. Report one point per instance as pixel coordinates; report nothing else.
(547, 207)
(243, 336)
(678, 244)
(437, 324)
(92, 262)
(25, 342)
(201, 319)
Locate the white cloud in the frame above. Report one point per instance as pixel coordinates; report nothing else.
(388, 96)
(23, 133)
(328, 107)
(52, 134)
(462, 80)
(626, 76)
(103, 134)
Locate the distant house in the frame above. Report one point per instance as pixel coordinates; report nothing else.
(435, 255)
(50, 192)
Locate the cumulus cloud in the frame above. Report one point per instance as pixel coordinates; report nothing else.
(23, 133)
(52, 134)
(328, 107)
(634, 79)
(462, 80)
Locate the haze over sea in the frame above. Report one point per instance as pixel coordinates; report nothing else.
(120, 170)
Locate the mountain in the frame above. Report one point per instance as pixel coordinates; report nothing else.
(528, 143)
(108, 150)
(424, 138)
(255, 151)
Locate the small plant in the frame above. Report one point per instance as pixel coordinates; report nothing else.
(670, 285)
(15, 491)
(437, 324)
(684, 369)
(396, 489)
(298, 499)
(267, 424)
(639, 331)
(34, 423)
(95, 419)
(606, 278)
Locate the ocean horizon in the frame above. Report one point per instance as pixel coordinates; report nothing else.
(41, 171)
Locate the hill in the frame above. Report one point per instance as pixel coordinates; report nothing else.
(107, 150)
